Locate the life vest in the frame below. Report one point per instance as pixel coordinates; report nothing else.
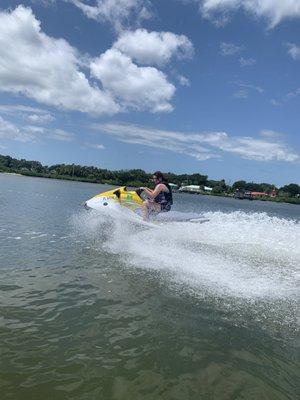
(164, 198)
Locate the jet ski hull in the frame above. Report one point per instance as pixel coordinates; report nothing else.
(120, 197)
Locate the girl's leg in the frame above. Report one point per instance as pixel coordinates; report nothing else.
(149, 206)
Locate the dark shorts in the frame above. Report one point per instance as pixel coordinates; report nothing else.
(165, 207)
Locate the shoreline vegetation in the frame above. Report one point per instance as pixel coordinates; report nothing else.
(136, 177)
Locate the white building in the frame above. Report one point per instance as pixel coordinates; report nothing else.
(190, 188)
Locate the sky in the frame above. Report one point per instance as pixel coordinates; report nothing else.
(186, 86)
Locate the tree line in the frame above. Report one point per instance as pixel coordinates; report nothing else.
(135, 177)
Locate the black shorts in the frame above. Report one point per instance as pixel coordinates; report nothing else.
(165, 207)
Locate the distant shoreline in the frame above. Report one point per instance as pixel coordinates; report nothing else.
(192, 183)
(86, 180)
(10, 173)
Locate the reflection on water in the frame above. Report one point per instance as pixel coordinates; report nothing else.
(96, 307)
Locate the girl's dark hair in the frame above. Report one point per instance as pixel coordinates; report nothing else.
(159, 175)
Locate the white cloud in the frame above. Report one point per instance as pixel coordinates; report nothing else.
(9, 130)
(228, 49)
(176, 142)
(48, 69)
(244, 89)
(35, 130)
(275, 102)
(136, 87)
(13, 108)
(286, 98)
(241, 94)
(294, 51)
(268, 133)
(30, 114)
(60, 134)
(201, 146)
(260, 150)
(247, 62)
(153, 47)
(40, 119)
(274, 11)
(31, 133)
(292, 95)
(97, 146)
(183, 80)
(120, 13)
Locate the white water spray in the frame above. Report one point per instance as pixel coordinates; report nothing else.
(237, 254)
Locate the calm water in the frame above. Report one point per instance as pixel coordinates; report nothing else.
(96, 307)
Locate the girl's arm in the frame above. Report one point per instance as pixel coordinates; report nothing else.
(153, 193)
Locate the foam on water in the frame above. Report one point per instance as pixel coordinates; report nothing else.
(236, 254)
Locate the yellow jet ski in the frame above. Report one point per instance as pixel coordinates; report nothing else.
(116, 197)
(133, 200)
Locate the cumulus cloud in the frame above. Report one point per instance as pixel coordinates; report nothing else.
(201, 146)
(120, 13)
(48, 69)
(153, 47)
(229, 49)
(274, 11)
(294, 51)
(136, 87)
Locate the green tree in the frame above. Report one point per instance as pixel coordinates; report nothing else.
(292, 189)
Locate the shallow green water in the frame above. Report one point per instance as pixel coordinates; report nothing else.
(94, 308)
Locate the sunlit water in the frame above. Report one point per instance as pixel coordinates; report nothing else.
(102, 306)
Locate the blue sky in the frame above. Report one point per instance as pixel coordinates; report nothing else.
(208, 86)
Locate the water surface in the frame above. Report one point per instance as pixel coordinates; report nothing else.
(98, 307)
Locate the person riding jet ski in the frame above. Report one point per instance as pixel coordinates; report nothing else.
(158, 200)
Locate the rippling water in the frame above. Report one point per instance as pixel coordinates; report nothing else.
(95, 306)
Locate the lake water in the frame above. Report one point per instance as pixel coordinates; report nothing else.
(95, 307)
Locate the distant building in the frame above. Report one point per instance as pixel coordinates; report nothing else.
(259, 194)
(264, 194)
(241, 194)
(173, 186)
(208, 189)
(190, 189)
